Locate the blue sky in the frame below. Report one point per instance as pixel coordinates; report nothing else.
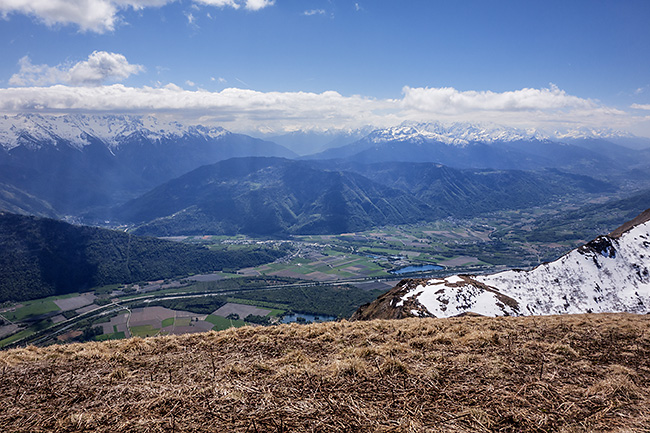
(262, 65)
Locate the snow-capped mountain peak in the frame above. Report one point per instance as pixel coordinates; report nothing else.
(586, 133)
(463, 133)
(457, 134)
(78, 130)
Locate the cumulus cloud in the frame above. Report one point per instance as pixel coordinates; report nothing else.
(255, 5)
(249, 110)
(94, 15)
(640, 106)
(102, 15)
(100, 67)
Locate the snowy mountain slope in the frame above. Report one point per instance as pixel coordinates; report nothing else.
(609, 274)
(463, 133)
(78, 129)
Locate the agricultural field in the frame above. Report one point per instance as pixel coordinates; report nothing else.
(322, 265)
(24, 319)
(157, 320)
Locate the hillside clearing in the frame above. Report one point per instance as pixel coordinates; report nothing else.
(583, 373)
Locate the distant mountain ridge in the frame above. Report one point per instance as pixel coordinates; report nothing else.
(457, 134)
(278, 196)
(465, 145)
(81, 165)
(266, 196)
(309, 142)
(609, 274)
(78, 163)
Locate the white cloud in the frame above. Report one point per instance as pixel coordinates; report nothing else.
(640, 106)
(36, 75)
(314, 12)
(219, 3)
(448, 100)
(190, 83)
(249, 110)
(251, 5)
(100, 67)
(94, 15)
(102, 15)
(255, 5)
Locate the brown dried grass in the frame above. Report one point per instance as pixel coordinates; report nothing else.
(587, 373)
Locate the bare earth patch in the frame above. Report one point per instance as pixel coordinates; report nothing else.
(58, 318)
(585, 373)
(86, 309)
(69, 335)
(199, 326)
(207, 277)
(241, 310)
(7, 330)
(68, 304)
(148, 315)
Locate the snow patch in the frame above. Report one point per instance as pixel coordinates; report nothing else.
(606, 275)
(454, 279)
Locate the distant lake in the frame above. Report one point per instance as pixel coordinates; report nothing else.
(416, 268)
(289, 318)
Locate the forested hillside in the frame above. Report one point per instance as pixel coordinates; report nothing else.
(43, 257)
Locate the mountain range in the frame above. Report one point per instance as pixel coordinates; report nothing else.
(114, 168)
(472, 146)
(271, 196)
(609, 274)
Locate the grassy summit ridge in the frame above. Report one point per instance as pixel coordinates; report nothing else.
(556, 373)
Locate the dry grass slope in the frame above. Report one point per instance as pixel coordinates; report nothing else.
(586, 373)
